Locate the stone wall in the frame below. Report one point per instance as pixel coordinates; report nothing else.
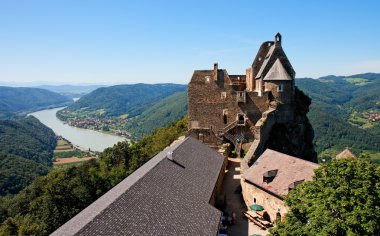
(285, 96)
(214, 105)
(219, 182)
(271, 203)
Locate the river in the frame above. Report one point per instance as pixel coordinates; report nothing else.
(83, 138)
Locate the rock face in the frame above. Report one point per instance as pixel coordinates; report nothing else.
(295, 137)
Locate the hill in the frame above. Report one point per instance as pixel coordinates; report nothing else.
(160, 114)
(20, 101)
(71, 91)
(119, 100)
(26, 151)
(109, 109)
(344, 112)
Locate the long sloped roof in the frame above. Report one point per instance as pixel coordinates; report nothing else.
(289, 170)
(277, 72)
(271, 53)
(166, 196)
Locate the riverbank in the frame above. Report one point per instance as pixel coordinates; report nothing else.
(67, 153)
(82, 139)
(96, 121)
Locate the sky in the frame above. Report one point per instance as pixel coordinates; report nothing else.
(140, 41)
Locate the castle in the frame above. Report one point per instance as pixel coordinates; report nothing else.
(262, 115)
(235, 108)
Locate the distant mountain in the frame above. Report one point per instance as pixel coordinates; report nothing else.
(119, 100)
(19, 101)
(26, 151)
(71, 91)
(341, 111)
(160, 114)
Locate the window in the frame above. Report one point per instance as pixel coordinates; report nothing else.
(225, 113)
(280, 88)
(207, 79)
(223, 95)
(240, 119)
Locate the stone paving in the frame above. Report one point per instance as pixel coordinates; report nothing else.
(235, 202)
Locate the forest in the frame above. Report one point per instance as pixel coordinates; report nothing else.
(118, 100)
(339, 113)
(16, 102)
(26, 151)
(51, 200)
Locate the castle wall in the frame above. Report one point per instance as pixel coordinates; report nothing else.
(213, 104)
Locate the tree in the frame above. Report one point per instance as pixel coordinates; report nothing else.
(342, 199)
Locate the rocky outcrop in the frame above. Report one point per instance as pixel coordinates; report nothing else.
(295, 137)
(292, 135)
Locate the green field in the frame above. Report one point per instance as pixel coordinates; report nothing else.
(357, 81)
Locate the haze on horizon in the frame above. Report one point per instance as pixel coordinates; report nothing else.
(76, 42)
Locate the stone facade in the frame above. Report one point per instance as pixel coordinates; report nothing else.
(271, 178)
(274, 206)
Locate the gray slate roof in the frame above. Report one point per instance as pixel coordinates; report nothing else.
(272, 53)
(163, 197)
(277, 72)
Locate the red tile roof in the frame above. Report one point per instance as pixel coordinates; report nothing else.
(290, 169)
(345, 154)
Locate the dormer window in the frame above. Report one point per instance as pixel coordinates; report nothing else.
(269, 176)
(294, 184)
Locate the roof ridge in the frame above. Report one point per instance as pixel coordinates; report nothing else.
(293, 157)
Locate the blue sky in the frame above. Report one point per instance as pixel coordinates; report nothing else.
(118, 42)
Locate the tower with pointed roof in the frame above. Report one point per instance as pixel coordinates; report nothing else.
(271, 71)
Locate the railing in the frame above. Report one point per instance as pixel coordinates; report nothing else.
(230, 126)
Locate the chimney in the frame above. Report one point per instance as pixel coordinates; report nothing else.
(250, 83)
(215, 73)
